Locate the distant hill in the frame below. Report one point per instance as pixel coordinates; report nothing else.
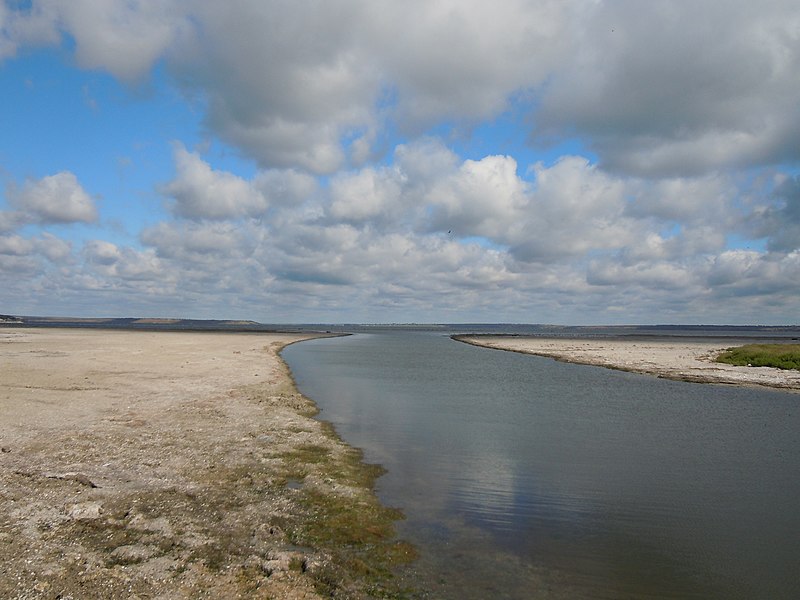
(150, 323)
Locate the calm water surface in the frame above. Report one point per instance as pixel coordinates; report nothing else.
(522, 477)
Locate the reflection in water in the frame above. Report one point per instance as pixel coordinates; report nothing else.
(524, 477)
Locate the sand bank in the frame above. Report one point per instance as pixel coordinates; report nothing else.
(174, 465)
(684, 360)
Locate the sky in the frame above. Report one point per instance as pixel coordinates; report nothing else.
(375, 161)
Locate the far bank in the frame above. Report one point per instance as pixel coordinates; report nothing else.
(671, 358)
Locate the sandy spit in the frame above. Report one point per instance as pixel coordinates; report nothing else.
(159, 465)
(684, 360)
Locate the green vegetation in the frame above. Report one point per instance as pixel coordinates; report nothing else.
(353, 528)
(780, 356)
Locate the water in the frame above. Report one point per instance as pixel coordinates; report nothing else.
(523, 477)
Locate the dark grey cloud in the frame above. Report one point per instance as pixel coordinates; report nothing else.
(742, 273)
(677, 88)
(780, 223)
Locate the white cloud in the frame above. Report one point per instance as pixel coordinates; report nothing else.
(53, 248)
(779, 221)
(200, 243)
(199, 192)
(27, 262)
(46, 245)
(705, 199)
(669, 96)
(119, 266)
(55, 198)
(7, 46)
(482, 198)
(10, 220)
(15, 245)
(425, 161)
(681, 88)
(34, 26)
(665, 88)
(747, 272)
(576, 208)
(124, 37)
(100, 252)
(464, 59)
(283, 81)
(285, 187)
(288, 82)
(569, 237)
(366, 195)
(659, 275)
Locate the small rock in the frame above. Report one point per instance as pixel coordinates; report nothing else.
(132, 554)
(85, 510)
(80, 478)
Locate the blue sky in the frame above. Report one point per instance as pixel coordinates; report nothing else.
(578, 162)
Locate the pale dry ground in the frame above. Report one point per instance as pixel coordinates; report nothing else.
(154, 465)
(684, 360)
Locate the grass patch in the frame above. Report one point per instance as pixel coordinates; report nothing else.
(359, 538)
(779, 356)
(354, 529)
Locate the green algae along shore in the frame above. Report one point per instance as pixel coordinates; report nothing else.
(178, 465)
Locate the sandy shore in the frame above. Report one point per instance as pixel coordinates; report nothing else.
(684, 360)
(175, 465)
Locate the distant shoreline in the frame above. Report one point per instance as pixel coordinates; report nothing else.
(764, 332)
(681, 359)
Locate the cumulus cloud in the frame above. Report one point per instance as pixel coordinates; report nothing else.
(481, 198)
(366, 195)
(685, 199)
(15, 245)
(661, 275)
(199, 192)
(576, 208)
(676, 88)
(193, 242)
(53, 199)
(210, 258)
(466, 58)
(36, 25)
(53, 248)
(566, 210)
(780, 223)
(290, 83)
(10, 220)
(285, 187)
(99, 252)
(28, 261)
(120, 265)
(670, 97)
(750, 273)
(124, 37)
(283, 81)
(7, 46)
(658, 89)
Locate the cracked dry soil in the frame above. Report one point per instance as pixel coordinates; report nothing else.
(178, 465)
